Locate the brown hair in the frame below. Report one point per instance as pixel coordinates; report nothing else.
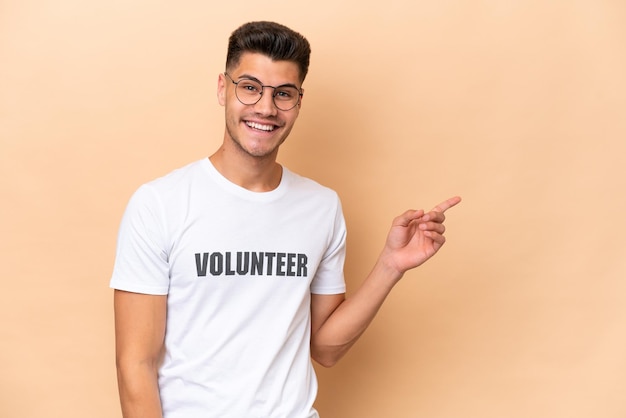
(274, 40)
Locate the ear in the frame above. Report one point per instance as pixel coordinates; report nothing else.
(301, 99)
(221, 89)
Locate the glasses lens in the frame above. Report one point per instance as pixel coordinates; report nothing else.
(248, 91)
(286, 97)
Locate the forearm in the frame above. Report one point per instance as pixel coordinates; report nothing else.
(414, 238)
(139, 391)
(352, 317)
(139, 335)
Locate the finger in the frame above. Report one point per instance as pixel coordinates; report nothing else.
(447, 204)
(433, 216)
(437, 238)
(407, 217)
(432, 227)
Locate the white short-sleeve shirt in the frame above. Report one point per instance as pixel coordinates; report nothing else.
(238, 268)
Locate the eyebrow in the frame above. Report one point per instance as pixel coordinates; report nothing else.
(251, 77)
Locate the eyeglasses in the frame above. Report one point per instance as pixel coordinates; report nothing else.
(250, 91)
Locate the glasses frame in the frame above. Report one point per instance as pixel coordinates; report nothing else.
(263, 86)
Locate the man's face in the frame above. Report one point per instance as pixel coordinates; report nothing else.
(259, 129)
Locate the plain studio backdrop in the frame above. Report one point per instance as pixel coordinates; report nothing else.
(517, 106)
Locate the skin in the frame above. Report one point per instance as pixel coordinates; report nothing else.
(139, 336)
(337, 322)
(247, 157)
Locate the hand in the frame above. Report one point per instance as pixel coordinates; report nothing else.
(416, 236)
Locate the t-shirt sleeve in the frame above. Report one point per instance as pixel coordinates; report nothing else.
(141, 259)
(329, 278)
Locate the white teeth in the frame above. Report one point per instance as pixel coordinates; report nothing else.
(259, 126)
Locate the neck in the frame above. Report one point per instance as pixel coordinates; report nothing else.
(254, 174)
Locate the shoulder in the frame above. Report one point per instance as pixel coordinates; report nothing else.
(169, 186)
(154, 195)
(178, 176)
(305, 185)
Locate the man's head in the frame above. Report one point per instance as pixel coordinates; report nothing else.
(274, 40)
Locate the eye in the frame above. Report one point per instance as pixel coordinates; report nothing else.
(286, 93)
(249, 86)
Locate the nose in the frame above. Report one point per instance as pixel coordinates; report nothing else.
(265, 106)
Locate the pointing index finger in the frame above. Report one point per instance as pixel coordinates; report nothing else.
(447, 204)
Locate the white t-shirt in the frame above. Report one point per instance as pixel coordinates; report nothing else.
(238, 268)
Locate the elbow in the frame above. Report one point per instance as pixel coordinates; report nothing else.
(324, 362)
(128, 369)
(327, 357)
(128, 360)
(135, 379)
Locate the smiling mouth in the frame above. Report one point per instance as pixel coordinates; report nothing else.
(260, 126)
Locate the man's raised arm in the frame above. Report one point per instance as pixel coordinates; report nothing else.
(337, 322)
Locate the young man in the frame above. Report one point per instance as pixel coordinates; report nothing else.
(229, 271)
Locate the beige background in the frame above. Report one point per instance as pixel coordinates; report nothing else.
(518, 106)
